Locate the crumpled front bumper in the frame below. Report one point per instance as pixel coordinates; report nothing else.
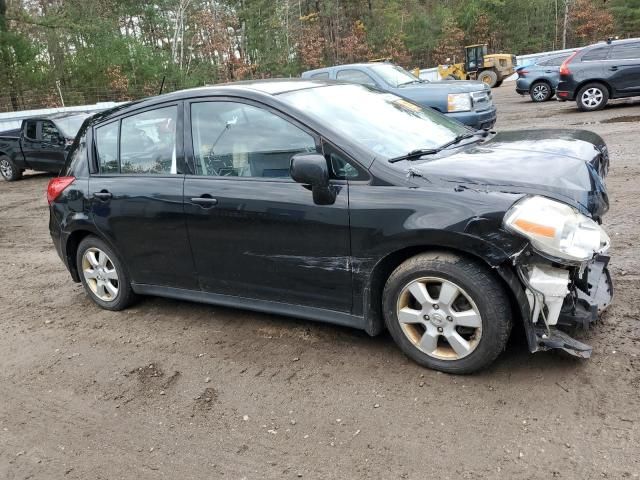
(592, 294)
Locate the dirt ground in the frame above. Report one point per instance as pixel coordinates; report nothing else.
(171, 389)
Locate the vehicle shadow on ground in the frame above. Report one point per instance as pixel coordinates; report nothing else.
(515, 361)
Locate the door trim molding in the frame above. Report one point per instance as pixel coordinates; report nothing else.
(265, 306)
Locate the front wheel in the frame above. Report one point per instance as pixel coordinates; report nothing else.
(9, 170)
(591, 97)
(103, 275)
(447, 312)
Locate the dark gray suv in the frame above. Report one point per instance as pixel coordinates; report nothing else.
(599, 72)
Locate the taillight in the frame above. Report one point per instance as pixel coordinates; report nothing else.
(522, 73)
(57, 186)
(564, 68)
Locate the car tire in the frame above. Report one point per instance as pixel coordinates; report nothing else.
(9, 170)
(489, 77)
(467, 325)
(592, 97)
(540, 92)
(103, 275)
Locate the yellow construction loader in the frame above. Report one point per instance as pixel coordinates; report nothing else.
(478, 65)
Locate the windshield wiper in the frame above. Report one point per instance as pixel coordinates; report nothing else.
(415, 154)
(410, 82)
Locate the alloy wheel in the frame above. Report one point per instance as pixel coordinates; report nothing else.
(540, 92)
(100, 274)
(592, 97)
(439, 318)
(5, 168)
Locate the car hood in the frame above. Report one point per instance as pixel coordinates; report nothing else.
(448, 86)
(568, 165)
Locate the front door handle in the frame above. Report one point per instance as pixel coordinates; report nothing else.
(205, 201)
(103, 195)
(613, 69)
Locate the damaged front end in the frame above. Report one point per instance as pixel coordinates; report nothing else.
(561, 299)
(563, 271)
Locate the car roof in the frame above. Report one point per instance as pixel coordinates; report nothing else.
(612, 42)
(348, 65)
(249, 88)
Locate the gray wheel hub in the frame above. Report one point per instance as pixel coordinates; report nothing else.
(100, 274)
(5, 168)
(592, 97)
(540, 92)
(439, 318)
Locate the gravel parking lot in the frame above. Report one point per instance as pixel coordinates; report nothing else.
(171, 389)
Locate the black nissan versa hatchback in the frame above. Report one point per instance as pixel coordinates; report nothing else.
(339, 203)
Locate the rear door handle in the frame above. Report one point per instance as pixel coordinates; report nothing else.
(103, 195)
(613, 69)
(205, 201)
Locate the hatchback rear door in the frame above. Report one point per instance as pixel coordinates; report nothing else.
(254, 232)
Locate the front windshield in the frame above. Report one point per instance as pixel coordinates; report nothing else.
(394, 75)
(70, 125)
(382, 122)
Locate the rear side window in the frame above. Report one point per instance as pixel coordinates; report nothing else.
(31, 130)
(625, 51)
(355, 76)
(554, 62)
(148, 142)
(320, 75)
(599, 53)
(106, 142)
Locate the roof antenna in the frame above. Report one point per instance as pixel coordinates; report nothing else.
(162, 85)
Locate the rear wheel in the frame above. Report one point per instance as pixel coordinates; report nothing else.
(591, 97)
(489, 77)
(447, 312)
(103, 275)
(540, 92)
(8, 169)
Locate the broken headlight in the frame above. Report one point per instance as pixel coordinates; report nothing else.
(556, 229)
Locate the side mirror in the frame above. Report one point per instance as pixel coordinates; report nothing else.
(311, 169)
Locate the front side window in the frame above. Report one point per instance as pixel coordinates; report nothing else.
(384, 123)
(148, 142)
(50, 133)
(238, 140)
(355, 76)
(106, 143)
